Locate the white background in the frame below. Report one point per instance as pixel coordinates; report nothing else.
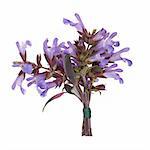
(120, 116)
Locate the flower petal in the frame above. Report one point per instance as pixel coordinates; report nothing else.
(79, 25)
(28, 43)
(22, 48)
(71, 49)
(22, 90)
(27, 68)
(109, 48)
(43, 93)
(30, 83)
(66, 21)
(55, 42)
(18, 82)
(118, 70)
(16, 65)
(54, 50)
(110, 67)
(99, 35)
(121, 81)
(103, 63)
(45, 46)
(51, 84)
(128, 61)
(113, 35)
(116, 56)
(113, 75)
(116, 43)
(79, 19)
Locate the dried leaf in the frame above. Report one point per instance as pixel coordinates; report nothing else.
(23, 56)
(38, 59)
(94, 31)
(47, 59)
(52, 98)
(98, 87)
(68, 88)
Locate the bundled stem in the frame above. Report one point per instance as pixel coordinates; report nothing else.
(86, 126)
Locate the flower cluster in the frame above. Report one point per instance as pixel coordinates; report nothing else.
(73, 64)
(93, 56)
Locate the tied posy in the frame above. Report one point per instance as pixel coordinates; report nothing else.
(75, 67)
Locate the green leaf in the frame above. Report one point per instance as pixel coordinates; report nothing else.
(84, 71)
(96, 68)
(52, 98)
(69, 69)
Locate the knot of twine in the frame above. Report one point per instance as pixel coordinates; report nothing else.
(87, 112)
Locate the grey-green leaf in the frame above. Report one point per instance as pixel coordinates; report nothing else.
(69, 69)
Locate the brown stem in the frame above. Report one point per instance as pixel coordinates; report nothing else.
(86, 126)
(85, 99)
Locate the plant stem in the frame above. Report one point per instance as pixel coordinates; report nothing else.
(86, 126)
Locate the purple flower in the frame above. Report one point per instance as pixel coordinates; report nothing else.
(103, 63)
(100, 35)
(109, 41)
(110, 72)
(79, 25)
(22, 47)
(97, 56)
(36, 79)
(105, 41)
(26, 67)
(116, 56)
(18, 82)
(41, 85)
(78, 66)
(114, 74)
(105, 49)
(111, 67)
(54, 50)
(71, 49)
(39, 80)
